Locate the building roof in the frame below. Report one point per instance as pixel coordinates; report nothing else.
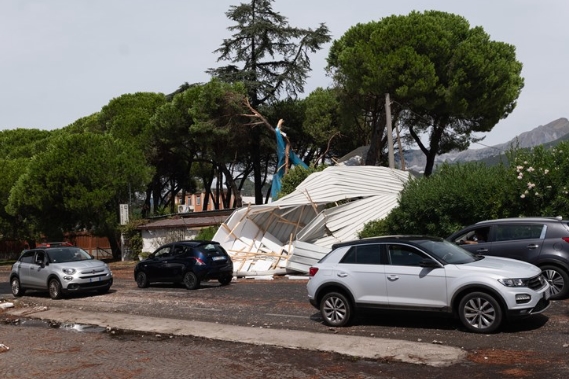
(190, 220)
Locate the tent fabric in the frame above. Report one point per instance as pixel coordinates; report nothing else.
(281, 164)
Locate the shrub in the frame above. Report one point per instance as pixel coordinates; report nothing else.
(453, 197)
(207, 233)
(540, 179)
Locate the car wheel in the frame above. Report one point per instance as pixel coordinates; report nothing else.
(335, 309)
(480, 312)
(191, 281)
(142, 280)
(558, 280)
(55, 291)
(17, 289)
(225, 280)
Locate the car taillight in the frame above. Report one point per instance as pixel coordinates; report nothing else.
(199, 262)
(312, 271)
(566, 239)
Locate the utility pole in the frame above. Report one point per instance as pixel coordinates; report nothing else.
(389, 131)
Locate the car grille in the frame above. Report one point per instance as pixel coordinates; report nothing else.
(93, 284)
(537, 282)
(93, 273)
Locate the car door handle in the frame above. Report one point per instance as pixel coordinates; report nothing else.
(533, 246)
(392, 277)
(480, 251)
(342, 274)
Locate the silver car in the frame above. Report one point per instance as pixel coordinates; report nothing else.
(424, 274)
(59, 270)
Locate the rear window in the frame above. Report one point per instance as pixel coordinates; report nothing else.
(363, 254)
(211, 250)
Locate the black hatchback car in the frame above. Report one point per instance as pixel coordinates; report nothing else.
(542, 241)
(187, 262)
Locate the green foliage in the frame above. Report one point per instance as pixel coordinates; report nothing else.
(22, 143)
(134, 237)
(540, 181)
(78, 182)
(534, 184)
(270, 58)
(273, 54)
(17, 147)
(207, 234)
(447, 80)
(453, 197)
(295, 176)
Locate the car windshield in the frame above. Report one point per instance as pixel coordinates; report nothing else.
(448, 252)
(61, 255)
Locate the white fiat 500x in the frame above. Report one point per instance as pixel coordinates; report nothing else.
(59, 270)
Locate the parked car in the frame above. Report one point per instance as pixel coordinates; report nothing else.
(187, 262)
(424, 274)
(59, 270)
(542, 241)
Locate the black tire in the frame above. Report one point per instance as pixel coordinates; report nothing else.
(335, 309)
(558, 280)
(191, 281)
(17, 289)
(55, 290)
(225, 280)
(480, 312)
(142, 280)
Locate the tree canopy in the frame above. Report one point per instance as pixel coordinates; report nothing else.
(78, 182)
(446, 79)
(270, 58)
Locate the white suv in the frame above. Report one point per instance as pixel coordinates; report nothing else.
(59, 270)
(428, 274)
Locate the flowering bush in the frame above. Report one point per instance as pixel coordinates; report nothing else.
(535, 182)
(542, 183)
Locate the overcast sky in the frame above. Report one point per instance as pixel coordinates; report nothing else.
(61, 60)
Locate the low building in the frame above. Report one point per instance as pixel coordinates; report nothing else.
(181, 227)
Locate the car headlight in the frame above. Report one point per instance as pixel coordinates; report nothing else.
(69, 271)
(514, 282)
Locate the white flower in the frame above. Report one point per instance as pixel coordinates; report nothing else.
(520, 176)
(545, 171)
(523, 196)
(531, 169)
(527, 192)
(531, 185)
(536, 194)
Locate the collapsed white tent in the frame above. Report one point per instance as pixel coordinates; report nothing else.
(295, 231)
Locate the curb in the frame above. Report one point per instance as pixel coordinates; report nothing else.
(361, 347)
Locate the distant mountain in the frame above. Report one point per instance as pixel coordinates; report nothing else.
(543, 134)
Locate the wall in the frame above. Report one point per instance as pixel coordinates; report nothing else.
(154, 238)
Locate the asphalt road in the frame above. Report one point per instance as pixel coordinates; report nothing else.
(535, 347)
